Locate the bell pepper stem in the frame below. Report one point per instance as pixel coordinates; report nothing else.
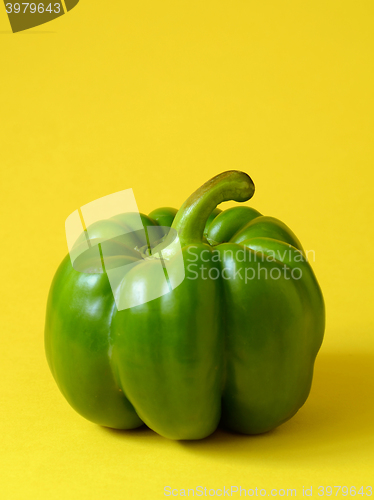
(192, 216)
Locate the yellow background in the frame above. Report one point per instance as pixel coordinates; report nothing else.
(160, 96)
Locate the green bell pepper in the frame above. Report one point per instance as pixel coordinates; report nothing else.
(234, 343)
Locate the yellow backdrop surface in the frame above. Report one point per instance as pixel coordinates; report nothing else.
(159, 96)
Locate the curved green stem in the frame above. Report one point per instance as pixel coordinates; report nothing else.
(192, 216)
